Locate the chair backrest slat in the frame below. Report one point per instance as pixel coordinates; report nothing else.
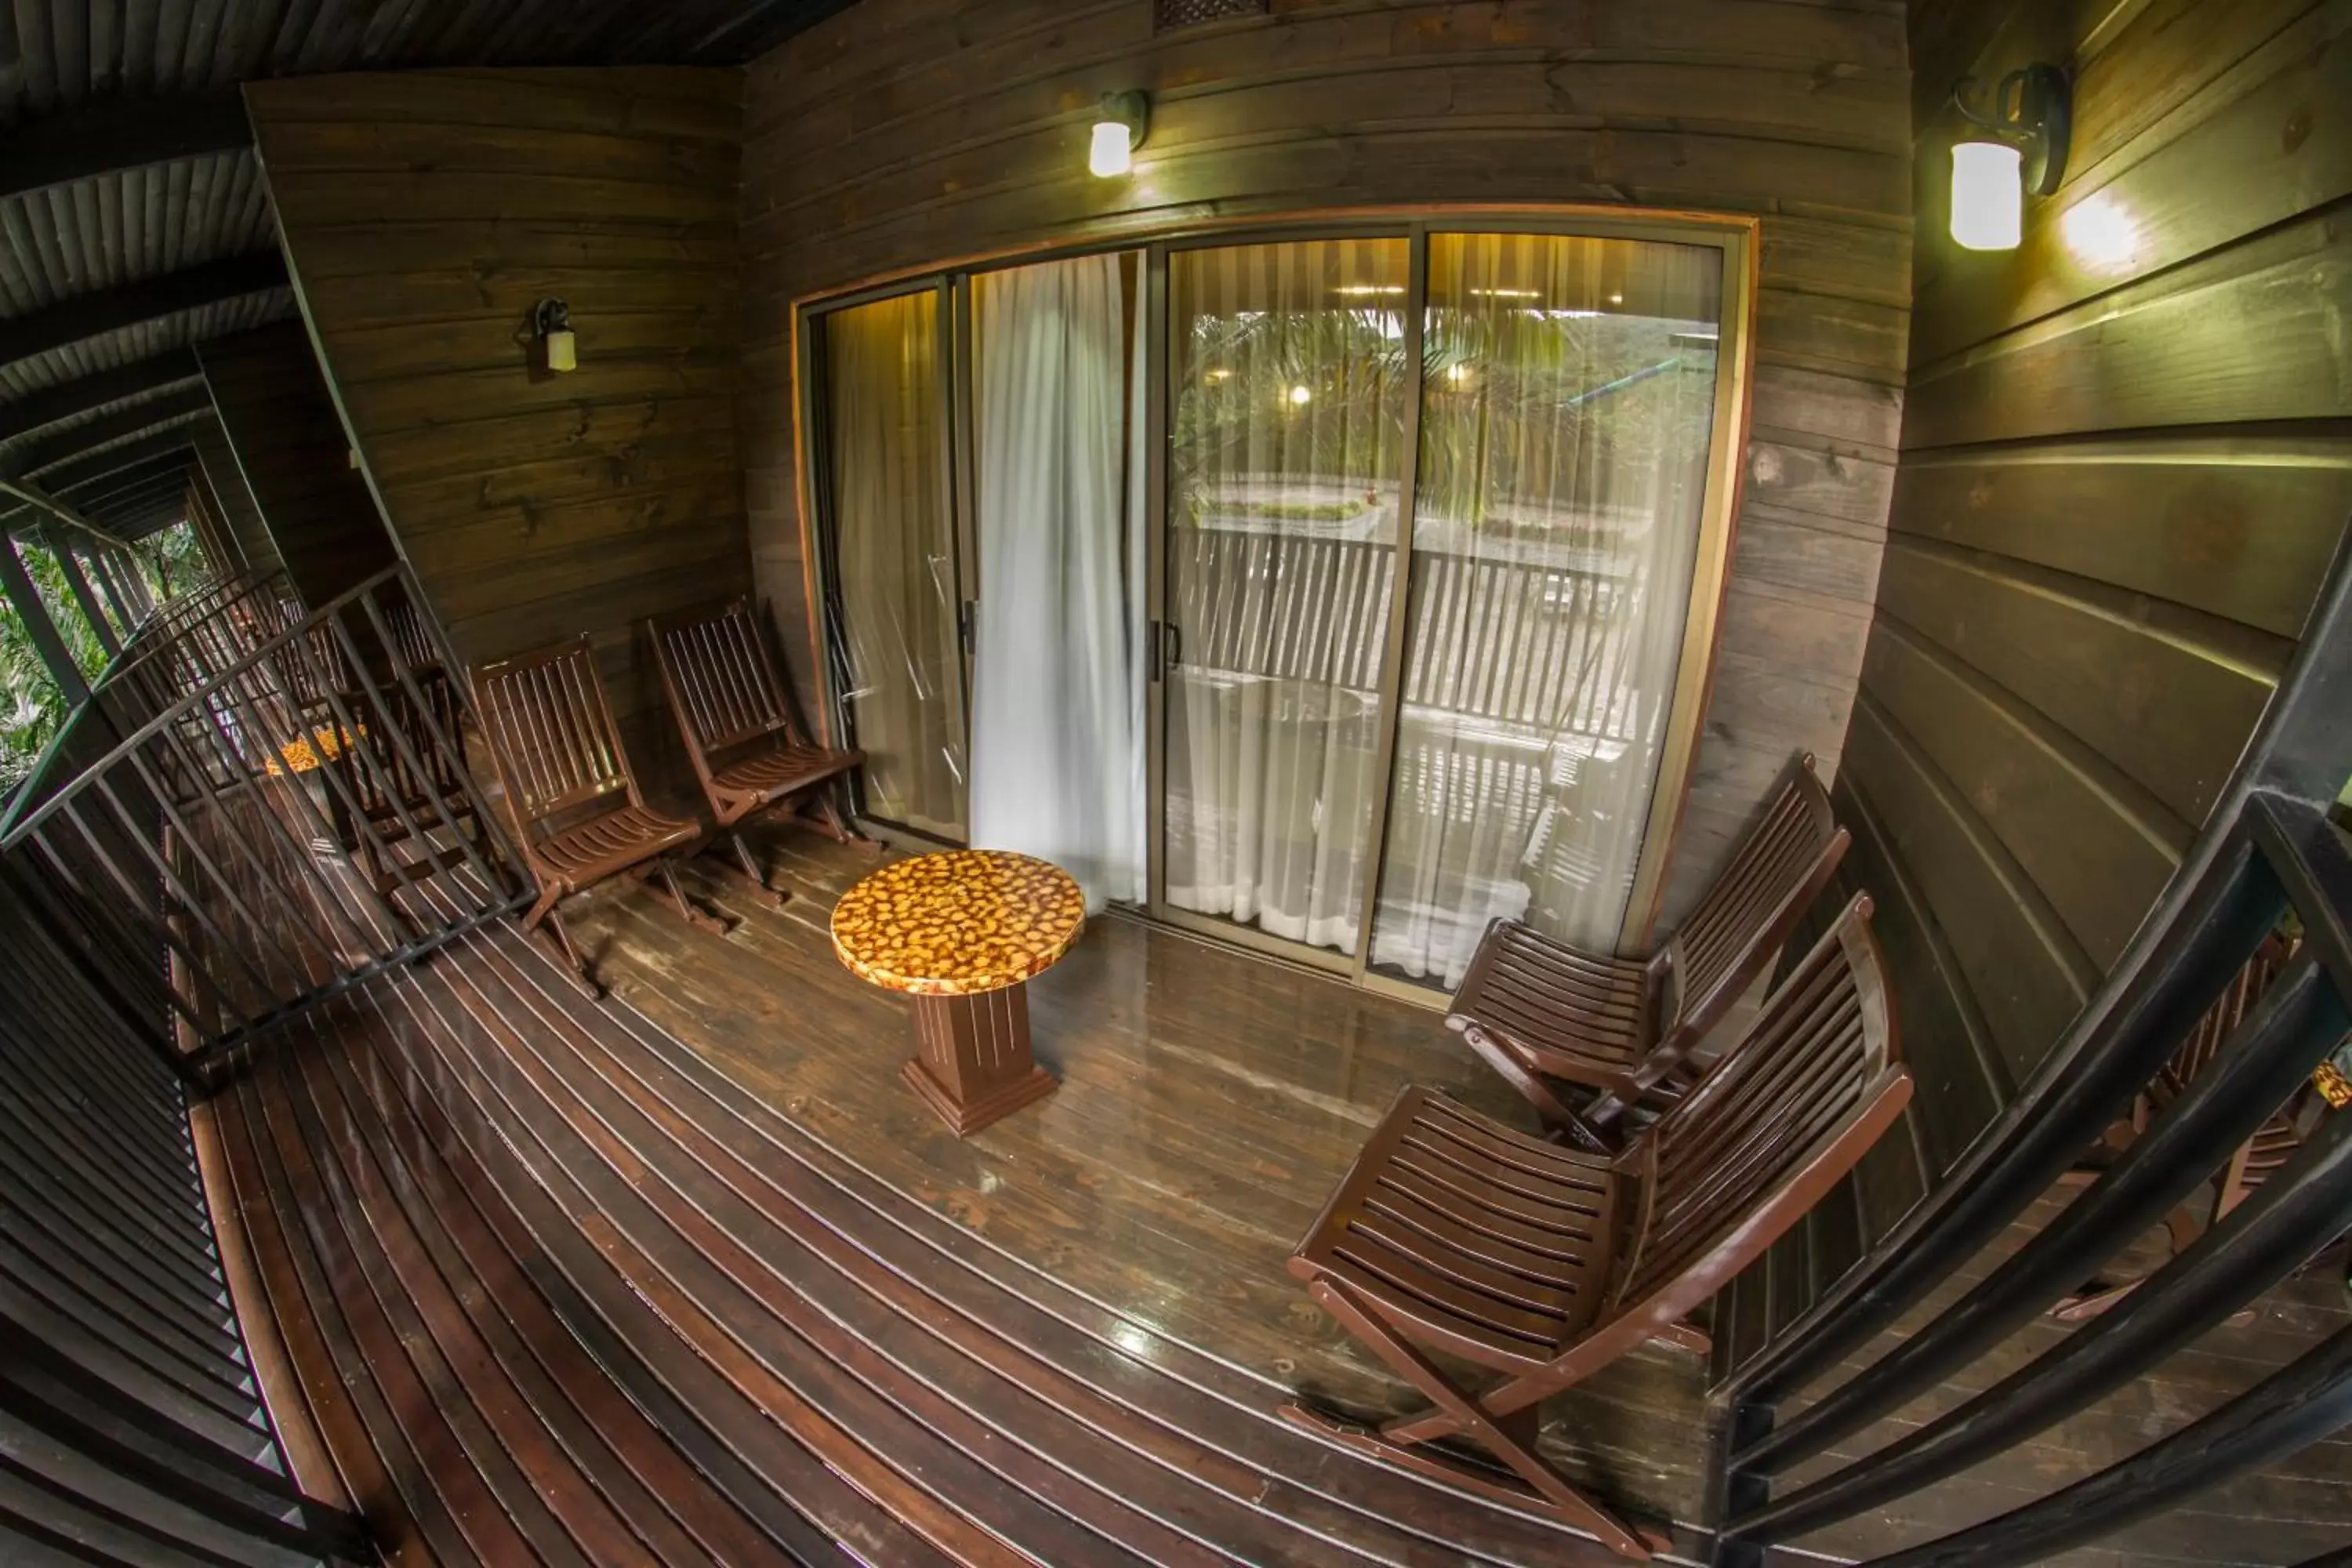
(551, 725)
(722, 678)
(1747, 915)
(1788, 1112)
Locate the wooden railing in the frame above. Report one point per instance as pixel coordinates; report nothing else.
(258, 843)
(257, 809)
(2271, 851)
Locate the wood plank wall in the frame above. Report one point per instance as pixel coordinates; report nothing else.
(907, 133)
(2125, 465)
(289, 443)
(424, 214)
(237, 515)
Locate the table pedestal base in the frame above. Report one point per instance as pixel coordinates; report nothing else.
(973, 1063)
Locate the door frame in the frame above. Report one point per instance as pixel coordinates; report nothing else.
(1737, 237)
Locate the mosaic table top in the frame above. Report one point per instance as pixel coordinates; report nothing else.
(958, 923)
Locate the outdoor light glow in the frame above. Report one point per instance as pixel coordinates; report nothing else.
(1459, 374)
(1509, 293)
(1299, 396)
(1110, 154)
(1219, 375)
(1616, 299)
(1988, 195)
(1363, 291)
(2100, 233)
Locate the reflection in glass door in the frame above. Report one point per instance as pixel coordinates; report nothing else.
(897, 640)
(1567, 418)
(1289, 387)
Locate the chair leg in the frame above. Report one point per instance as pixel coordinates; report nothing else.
(1510, 1439)
(567, 956)
(745, 866)
(659, 867)
(1558, 1118)
(831, 820)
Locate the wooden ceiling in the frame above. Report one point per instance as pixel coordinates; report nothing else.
(134, 221)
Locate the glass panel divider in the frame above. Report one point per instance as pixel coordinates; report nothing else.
(1392, 649)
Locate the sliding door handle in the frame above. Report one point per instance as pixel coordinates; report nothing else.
(1171, 647)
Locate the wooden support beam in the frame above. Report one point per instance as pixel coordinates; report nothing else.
(40, 500)
(80, 395)
(69, 567)
(90, 315)
(176, 408)
(116, 459)
(120, 135)
(17, 586)
(167, 484)
(100, 489)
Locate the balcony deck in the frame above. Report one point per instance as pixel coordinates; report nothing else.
(556, 1282)
(691, 1276)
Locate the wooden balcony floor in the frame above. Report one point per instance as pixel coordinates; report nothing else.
(557, 1285)
(692, 1277)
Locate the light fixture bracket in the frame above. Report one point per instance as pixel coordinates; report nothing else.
(2031, 110)
(1132, 108)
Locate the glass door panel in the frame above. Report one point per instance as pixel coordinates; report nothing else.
(1566, 422)
(897, 642)
(1288, 396)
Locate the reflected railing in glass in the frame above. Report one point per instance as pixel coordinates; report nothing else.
(1567, 416)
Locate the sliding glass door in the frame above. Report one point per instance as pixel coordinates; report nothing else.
(1288, 395)
(1400, 547)
(1567, 415)
(896, 610)
(1437, 509)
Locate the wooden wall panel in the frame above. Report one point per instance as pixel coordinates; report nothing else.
(290, 445)
(424, 214)
(906, 134)
(239, 517)
(2125, 467)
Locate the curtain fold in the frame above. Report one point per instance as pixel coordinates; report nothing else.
(1057, 732)
(1566, 421)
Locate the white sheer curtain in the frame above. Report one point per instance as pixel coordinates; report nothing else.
(1285, 440)
(1057, 689)
(1569, 404)
(894, 560)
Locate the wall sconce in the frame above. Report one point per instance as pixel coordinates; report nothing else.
(1120, 126)
(550, 324)
(2029, 119)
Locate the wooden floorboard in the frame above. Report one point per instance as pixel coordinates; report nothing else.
(1209, 1103)
(559, 1286)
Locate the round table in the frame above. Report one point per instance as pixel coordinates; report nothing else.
(962, 933)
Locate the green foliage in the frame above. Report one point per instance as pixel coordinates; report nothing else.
(32, 709)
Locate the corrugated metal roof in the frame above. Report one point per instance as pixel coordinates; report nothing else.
(125, 344)
(56, 55)
(71, 241)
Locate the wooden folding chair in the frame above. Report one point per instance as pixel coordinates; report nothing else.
(385, 790)
(727, 695)
(1546, 1264)
(1544, 1014)
(570, 792)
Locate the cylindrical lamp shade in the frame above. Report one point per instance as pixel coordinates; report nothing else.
(1110, 154)
(1988, 195)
